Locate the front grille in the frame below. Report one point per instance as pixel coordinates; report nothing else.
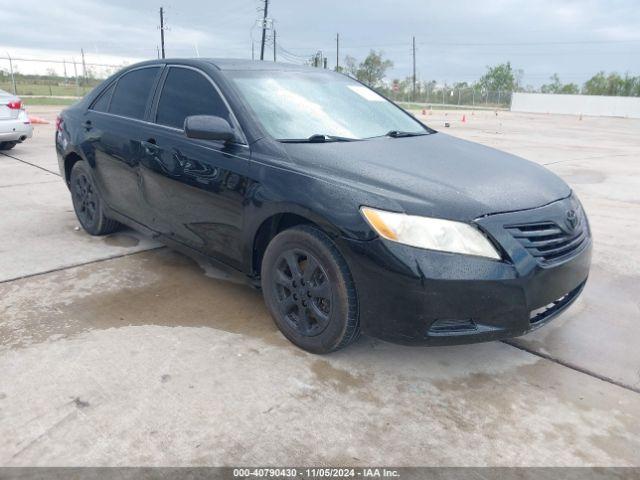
(548, 242)
(540, 314)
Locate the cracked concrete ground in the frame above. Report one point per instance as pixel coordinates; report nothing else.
(116, 351)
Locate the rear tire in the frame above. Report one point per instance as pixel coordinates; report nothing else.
(87, 203)
(309, 290)
(7, 145)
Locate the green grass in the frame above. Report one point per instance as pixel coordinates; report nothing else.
(43, 90)
(48, 101)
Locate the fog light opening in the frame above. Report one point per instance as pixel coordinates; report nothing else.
(452, 325)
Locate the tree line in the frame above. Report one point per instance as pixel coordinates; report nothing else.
(499, 78)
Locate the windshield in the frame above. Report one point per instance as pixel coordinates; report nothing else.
(299, 105)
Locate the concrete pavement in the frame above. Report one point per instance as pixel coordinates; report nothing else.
(116, 352)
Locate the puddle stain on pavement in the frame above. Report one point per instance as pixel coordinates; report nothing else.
(514, 397)
(121, 240)
(151, 288)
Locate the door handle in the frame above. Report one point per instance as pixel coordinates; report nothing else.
(150, 147)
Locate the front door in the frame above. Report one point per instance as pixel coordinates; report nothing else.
(194, 189)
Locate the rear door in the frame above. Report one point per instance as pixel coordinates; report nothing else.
(114, 128)
(195, 188)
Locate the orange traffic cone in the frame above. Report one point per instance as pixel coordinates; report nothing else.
(37, 120)
(464, 119)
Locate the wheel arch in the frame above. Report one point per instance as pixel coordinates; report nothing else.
(276, 222)
(69, 161)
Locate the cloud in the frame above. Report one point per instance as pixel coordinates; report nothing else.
(455, 40)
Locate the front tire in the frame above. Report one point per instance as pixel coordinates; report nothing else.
(309, 291)
(87, 203)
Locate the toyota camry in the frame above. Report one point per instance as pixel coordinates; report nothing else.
(349, 213)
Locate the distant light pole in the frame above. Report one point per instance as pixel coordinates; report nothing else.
(414, 70)
(13, 79)
(274, 44)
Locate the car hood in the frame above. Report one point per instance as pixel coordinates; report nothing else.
(433, 175)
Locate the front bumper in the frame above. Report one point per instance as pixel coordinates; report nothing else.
(414, 296)
(15, 130)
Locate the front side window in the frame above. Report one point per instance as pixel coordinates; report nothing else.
(185, 93)
(300, 104)
(132, 93)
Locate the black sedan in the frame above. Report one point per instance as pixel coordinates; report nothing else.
(350, 214)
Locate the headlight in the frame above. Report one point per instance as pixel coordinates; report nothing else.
(430, 233)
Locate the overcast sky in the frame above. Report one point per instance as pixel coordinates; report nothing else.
(456, 40)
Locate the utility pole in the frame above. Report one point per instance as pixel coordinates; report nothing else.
(274, 44)
(414, 69)
(337, 52)
(264, 28)
(84, 68)
(162, 30)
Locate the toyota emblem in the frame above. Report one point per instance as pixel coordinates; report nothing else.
(572, 220)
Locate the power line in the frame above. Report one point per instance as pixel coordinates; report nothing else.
(484, 44)
(58, 62)
(520, 44)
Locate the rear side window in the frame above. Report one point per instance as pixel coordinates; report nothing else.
(102, 104)
(132, 93)
(187, 92)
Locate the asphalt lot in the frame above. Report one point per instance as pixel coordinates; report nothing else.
(118, 351)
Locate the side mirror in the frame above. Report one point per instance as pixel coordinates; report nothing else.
(208, 127)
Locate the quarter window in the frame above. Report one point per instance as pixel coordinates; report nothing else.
(132, 93)
(102, 104)
(187, 92)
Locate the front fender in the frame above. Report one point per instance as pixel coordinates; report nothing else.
(279, 190)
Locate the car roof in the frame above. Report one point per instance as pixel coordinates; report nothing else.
(234, 64)
(243, 64)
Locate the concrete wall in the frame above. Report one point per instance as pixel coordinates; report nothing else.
(576, 104)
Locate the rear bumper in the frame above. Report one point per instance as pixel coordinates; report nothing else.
(413, 296)
(15, 130)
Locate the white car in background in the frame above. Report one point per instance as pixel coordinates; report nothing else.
(15, 126)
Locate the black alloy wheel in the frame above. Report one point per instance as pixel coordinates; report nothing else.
(87, 202)
(303, 292)
(309, 291)
(85, 199)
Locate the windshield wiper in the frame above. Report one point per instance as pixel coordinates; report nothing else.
(400, 133)
(319, 138)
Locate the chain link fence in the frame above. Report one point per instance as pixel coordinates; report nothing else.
(74, 77)
(52, 77)
(454, 97)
